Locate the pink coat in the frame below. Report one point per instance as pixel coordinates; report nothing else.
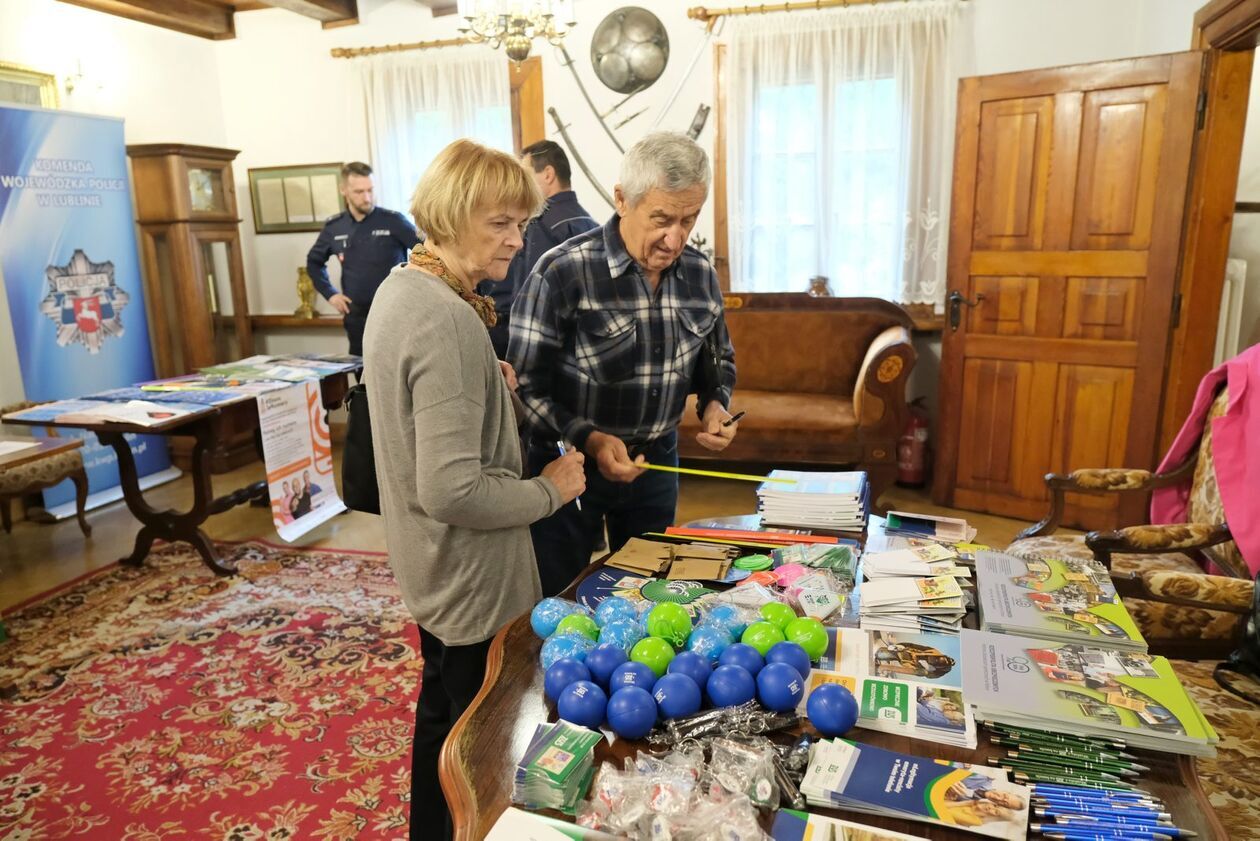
(1237, 465)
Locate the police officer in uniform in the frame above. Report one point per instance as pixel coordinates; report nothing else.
(368, 241)
(561, 219)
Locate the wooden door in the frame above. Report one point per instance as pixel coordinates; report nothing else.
(1069, 191)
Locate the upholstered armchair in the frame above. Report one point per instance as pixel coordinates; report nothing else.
(1160, 570)
(20, 480)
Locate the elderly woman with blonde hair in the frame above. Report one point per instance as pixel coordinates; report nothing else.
(448, 456)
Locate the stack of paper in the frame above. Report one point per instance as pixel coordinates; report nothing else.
(791, 825)
(691, 561)
(814, 499)
(942, 529)
(557, 767)
(905, 684)
(1072, 688)
(1061, 599)
(913, 603)
(864, 778)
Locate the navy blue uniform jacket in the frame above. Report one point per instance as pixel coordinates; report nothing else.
(368, 250)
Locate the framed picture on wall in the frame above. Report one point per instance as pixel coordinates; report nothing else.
(26, 86)
(290, 199)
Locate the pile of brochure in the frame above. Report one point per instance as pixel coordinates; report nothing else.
(835, 501)
(917, 588)
(1061, 599)
(557, 767)
(864, 778)
(928, 526)
(905, 684)
(1085, 691)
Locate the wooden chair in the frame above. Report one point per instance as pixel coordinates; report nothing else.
(23, 479)
(1159, 570)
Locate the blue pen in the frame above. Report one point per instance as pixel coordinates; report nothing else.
(1102, 812)
(576, 500)
(1102, 804)
(1069, 816)
(1072, 834)
(1106, 795)
(1130, 828)
(1069, 790)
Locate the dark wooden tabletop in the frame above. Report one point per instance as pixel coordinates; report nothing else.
(43, 447)
(479, 757)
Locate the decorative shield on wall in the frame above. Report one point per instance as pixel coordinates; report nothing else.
(629, 49)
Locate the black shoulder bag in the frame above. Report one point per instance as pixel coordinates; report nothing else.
(1246, 660)
(358, 461)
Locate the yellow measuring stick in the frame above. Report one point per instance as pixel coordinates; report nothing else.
(717, 474)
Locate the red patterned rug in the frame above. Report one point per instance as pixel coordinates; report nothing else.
(166, 703)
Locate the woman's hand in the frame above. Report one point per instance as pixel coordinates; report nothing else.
(568, 475)
(509, 374)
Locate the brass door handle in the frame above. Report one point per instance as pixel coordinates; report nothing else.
(956, 301)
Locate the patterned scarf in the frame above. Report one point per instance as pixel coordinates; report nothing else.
(426, 261)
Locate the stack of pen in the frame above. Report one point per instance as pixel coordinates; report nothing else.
(1071, 813)
(1035, 756)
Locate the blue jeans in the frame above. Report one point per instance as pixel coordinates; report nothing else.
(563, 542)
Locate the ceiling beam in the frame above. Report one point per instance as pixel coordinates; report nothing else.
(337, 12)
(192, 17)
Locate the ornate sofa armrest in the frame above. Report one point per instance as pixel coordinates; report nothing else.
(1188, 589)
(1187, 538)
(879, 394)
(1102, 480)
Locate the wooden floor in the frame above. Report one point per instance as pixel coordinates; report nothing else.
(36, 558)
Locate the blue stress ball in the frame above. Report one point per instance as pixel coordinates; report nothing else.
(676, 695)
(693, 666)
(561, 673)
(730, 685)
(556, 648)
(622, 632)
(631, 712)
(728, 617)
(632, 673)
(790, 653)
(780, 687)
(709, 641)
(832, 709)
(602, 660)
(613, 608)
(547, 614)
(583, 703)
(744, 656)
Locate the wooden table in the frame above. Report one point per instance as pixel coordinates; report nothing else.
(206, 429)
(479, 757)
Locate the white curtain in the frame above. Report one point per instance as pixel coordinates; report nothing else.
(840, 141)
(417, 102)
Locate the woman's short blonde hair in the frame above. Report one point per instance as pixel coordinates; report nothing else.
(465, 178)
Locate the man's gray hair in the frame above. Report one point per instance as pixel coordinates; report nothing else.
(666, 160)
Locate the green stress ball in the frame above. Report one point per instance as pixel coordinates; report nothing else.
(670, 622)
(653, 652)
(762, 636)
(579, 623)
(810, 635)
(777, 614)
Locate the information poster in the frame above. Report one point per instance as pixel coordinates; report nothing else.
(297, 450)
(71, 274)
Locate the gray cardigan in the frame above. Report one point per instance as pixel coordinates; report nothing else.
(448, 460)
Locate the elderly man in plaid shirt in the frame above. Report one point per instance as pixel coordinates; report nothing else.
(606, 334)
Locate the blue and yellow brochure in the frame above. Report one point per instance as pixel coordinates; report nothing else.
(864, 778)
(1064, 599)
(1083, 690)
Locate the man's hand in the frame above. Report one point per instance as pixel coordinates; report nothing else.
(612, 458)
(509, 374)
(340, 303)
(715, 436)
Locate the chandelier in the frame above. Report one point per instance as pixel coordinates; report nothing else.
(514, 24)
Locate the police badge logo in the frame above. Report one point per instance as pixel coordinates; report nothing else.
(84, 302)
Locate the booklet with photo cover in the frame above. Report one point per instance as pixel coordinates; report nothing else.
(909, 684)
(864, 778)
(1053, 598)
(1089, 691)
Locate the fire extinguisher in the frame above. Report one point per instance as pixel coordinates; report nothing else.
(913, 450)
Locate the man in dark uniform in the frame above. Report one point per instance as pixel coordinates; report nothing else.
(561, 218)
(368, 241)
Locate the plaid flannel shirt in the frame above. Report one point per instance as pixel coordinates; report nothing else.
(595, 349)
